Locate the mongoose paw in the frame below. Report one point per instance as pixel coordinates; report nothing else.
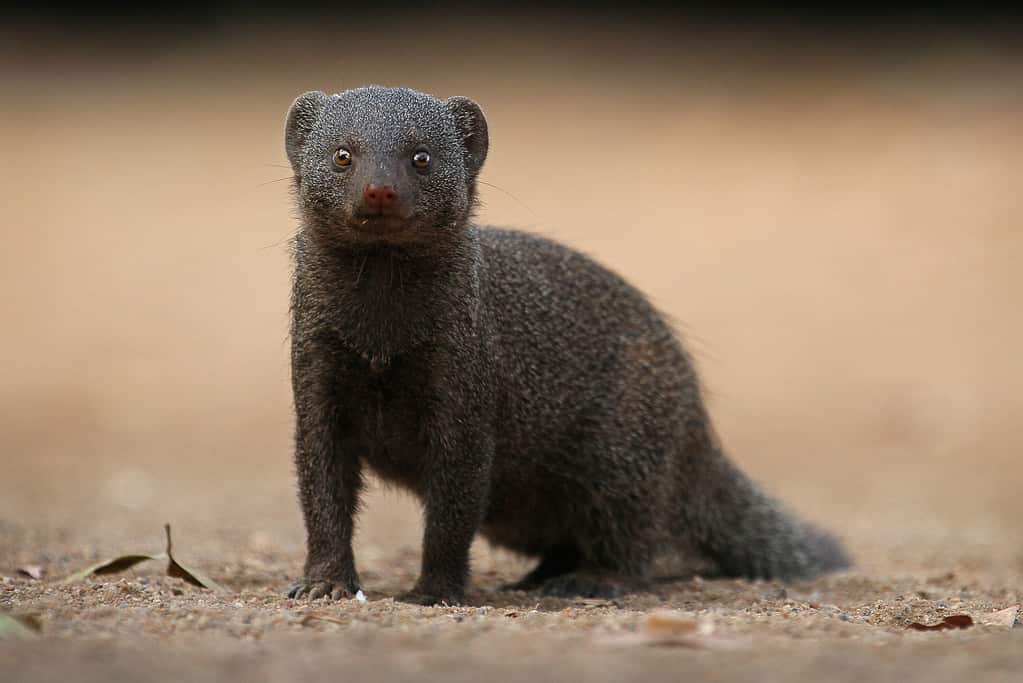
(314, 589)
(581, 585)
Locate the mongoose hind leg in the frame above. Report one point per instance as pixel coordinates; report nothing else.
(614, 530)
(609, 558)
(555, 562)
(561, 574)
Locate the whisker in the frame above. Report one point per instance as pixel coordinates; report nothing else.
(278, 180)
(287, 238)
(359, 276)
(516, 199)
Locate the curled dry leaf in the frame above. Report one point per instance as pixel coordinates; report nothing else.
(1006, 617)
(192, 576)
(112, 566)
(953, 622)
(33, 571)
(174, 568)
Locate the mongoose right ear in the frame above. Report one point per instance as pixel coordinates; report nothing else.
(473, 126)
(302, 118)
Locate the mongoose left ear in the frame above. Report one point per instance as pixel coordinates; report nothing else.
(473, 126)
(302, 117)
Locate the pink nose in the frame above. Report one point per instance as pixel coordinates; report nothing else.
(380, 197)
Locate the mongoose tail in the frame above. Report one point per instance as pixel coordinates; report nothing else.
(747, 533)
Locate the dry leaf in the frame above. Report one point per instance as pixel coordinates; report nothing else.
(174, 568)
(1005, 617)
(192, 576)
(112, 566)
(953, 622)
(19, 626)
(33, 571)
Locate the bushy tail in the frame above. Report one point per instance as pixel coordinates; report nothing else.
(747, 533)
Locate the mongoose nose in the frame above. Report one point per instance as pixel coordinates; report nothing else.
(380, 197)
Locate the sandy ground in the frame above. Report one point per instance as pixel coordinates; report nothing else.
(837, 231)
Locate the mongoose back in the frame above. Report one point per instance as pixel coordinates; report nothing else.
(518, 388)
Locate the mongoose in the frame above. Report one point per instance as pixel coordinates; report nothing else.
(519, 389)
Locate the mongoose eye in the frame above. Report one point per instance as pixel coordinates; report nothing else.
(342, 157)
(421, 159)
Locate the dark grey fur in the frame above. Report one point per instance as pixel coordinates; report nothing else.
(518, 388)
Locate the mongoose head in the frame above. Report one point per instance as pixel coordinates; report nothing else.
(379, 164)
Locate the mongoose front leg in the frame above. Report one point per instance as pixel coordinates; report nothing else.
(455, 500)
(329, 482)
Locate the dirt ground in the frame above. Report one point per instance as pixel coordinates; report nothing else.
(836, 230)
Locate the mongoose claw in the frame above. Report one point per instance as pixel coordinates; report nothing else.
(313, 589)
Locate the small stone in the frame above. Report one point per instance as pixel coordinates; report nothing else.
(33, 571)
(669, 623)
(1006, 617)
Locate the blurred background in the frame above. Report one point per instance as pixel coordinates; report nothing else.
(828, 204)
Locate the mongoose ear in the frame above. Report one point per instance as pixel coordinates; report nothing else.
(302, 117)
(473, 126)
